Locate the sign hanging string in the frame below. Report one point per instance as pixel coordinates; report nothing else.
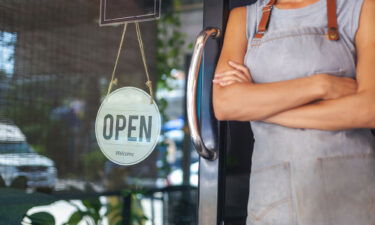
(141, 47)
(140, 42)
(113, 80)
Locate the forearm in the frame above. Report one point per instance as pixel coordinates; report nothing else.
(354, 111)
(248, 101)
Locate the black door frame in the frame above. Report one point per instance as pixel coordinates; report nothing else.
(211, 196)
(212, 174)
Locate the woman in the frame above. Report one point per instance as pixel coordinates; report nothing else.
(303, 73)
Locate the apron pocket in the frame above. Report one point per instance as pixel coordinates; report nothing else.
(349, 187)
(270, 196)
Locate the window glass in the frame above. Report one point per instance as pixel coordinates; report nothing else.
(55, 67)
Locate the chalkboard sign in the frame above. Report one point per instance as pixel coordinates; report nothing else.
(121, 11)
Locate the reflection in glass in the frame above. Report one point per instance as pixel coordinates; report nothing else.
(55, 64)
(15, 148)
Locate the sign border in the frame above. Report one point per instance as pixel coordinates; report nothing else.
(156, 140)
(147, 17)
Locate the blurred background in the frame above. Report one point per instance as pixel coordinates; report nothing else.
(55, 66)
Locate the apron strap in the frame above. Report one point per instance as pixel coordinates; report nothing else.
(333, 33)
(263, 24)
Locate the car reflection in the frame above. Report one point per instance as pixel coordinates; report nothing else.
(20, 165)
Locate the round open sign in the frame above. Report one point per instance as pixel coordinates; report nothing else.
(127, 126)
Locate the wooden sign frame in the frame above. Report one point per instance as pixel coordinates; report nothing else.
(108, 17)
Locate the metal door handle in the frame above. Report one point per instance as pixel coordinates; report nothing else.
(192, 92)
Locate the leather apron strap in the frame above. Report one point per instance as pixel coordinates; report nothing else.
(333, 27)
(333, 33)
(263, 24)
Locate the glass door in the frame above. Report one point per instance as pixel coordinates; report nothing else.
(225, 147)
(55, 68)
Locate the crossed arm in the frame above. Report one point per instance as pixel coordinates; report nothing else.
(318, 102)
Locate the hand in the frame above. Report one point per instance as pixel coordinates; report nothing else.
(336, 87)
(240, 73)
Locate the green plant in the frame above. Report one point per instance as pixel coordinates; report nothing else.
(137, 216)
(93, 164)
(40, 218)
(169, 44)
(90, 214)
(3, 75)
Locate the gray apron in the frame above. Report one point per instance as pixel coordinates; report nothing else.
(305, 176)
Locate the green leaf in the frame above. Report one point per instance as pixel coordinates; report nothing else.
(75, 218)
(42, 218)
(92, 204)
(119, 222)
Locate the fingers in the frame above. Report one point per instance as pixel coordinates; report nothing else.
(230, 77)
(232, 73)
(353, 87)
(348, 83)
(226, 83)
(241, 68)
(239, 74)
(340, 86)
